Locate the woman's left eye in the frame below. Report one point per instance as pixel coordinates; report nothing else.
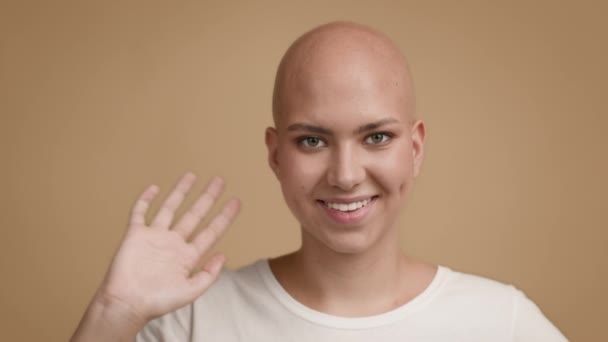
(377, 138)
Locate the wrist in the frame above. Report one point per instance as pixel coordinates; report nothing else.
(109, 319)
(116, 311)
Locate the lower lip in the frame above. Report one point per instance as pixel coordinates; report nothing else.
(349, 217)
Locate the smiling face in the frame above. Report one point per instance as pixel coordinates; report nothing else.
(346, 147)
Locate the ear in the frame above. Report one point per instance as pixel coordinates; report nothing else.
(418, 138)
(271, 144)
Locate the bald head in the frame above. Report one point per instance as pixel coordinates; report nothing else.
(335, 58)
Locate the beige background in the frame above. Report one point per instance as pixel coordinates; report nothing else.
(99, 100)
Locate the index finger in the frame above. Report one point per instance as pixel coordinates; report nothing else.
(174, 200)
(138, 213)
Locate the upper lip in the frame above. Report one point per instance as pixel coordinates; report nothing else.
(344, 200)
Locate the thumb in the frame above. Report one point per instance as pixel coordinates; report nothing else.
(202, 280)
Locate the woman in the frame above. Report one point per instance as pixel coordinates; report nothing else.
(346, 148)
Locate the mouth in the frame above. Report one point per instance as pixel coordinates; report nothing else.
(347, 207)
(348, 211)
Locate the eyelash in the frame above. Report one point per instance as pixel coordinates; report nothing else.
(386, 135)
(386, 139)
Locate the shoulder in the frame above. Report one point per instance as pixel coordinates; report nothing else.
(217, 307)
(459, 283)
(245, 277)
(474, 297)
(233, 287)
(481, 289)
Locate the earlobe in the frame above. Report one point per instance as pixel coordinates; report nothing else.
(418, 139)
(271, 145)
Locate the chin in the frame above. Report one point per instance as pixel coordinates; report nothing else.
(350, 249)
(351, 242)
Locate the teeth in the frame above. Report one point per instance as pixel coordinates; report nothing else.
(348, 207)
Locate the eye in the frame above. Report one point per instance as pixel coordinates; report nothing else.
(311, 142)
(377, 138)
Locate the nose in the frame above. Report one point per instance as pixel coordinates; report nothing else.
(345, 169)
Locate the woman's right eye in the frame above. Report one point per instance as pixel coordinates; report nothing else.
(311, 142)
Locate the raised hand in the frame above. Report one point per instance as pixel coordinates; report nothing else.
(152, 272)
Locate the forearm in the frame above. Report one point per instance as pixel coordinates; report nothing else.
(108, 320)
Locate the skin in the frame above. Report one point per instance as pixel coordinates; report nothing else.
(154, 271)
(334, 82)
(352, 86)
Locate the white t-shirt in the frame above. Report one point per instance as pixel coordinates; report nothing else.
(249, 304)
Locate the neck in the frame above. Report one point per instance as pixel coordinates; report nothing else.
(349, 271)
(327, 281)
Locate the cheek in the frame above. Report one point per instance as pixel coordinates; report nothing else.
(395, 171)
(299, 171)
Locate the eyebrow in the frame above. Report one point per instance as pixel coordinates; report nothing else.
(320, 130)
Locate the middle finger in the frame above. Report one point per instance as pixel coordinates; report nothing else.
(200, 208)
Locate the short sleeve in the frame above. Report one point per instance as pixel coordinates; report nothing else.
(530, 324)
(171, 327)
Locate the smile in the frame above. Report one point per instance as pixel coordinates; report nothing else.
(346, 207)
(348, 212)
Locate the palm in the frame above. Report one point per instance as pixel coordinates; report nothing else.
(152, 270)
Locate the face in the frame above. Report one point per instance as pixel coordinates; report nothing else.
(346, 153)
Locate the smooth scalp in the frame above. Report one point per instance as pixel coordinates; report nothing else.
(341, 52)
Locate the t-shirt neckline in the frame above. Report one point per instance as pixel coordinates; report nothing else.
(355, 323)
